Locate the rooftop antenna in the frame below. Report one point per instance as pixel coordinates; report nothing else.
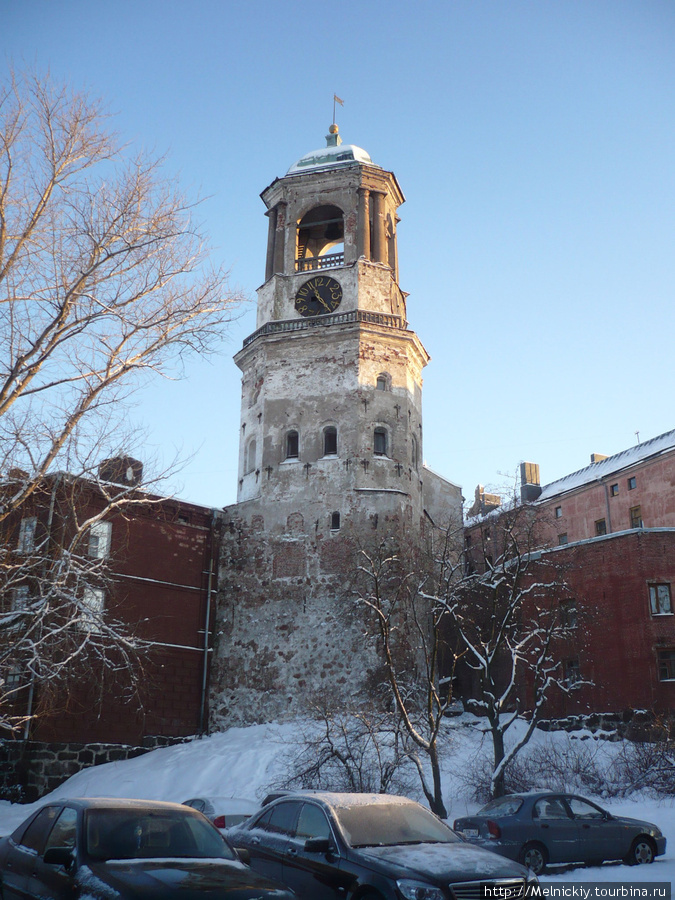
(637, 435)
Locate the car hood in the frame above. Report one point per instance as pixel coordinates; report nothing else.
(147, 879)
(640, 823)
(446, 862)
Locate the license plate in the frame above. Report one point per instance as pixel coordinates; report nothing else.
(470, 832)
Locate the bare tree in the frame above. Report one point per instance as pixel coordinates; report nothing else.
(104, 281)
(408, 621)
(505, 613)
(356, 750)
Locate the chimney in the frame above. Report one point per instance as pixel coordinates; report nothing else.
(484, 502)
(598, 457)
(530, 483)
(121, 470)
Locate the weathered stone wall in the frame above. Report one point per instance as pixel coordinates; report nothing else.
(288, 629)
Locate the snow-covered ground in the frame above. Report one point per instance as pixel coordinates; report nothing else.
(248, 762)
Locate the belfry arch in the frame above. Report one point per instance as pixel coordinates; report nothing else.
(320, 239)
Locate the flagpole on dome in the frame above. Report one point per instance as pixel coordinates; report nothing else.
(336, 99)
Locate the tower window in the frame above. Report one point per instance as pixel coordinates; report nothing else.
(382, 383)
(27, 534)
(330, 441)
(380, 442)
(292, 445)
(414, 451)
(335, 521)
(250, 456)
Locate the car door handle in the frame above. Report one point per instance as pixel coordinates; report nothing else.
(255, 840)
(291, 852)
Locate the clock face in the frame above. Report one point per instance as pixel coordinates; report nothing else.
(318, 296)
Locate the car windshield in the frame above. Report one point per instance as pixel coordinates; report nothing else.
(389, 824)
(503, 806)
(151, 834)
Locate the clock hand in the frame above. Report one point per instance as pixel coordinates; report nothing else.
(322, 302)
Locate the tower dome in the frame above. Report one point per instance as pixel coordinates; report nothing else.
(334, 154)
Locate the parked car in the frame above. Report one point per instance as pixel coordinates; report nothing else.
(125, 849)
(377, 847)
(549, 827)
(224, 812)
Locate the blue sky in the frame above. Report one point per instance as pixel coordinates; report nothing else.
(533, 141)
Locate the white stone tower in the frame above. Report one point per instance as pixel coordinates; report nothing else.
(332, 387)
(330, 442)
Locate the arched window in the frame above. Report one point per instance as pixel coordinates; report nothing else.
(330, 441)
(380, 442)
(382, 383)
(292, 445)
(250, 456)
(414, 452)
(321, 237)
(335, 521)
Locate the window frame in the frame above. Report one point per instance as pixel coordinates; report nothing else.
(332, 432)
(563, 539)
(600, 527)
(93, 600)
(99, 549)
(250, 456)
(335, 518)
(381, 433)
(614, 490)
(666, 664)
(632, 483)
(558, 512)
(27, 529)
(572, 672)
(292, 444)
(654, 604)
(635, 523)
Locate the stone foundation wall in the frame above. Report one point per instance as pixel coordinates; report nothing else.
(31, 769)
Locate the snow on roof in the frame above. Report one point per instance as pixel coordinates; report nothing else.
(331, 157)
(606, 467)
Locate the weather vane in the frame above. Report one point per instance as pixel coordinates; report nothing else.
(336, 99)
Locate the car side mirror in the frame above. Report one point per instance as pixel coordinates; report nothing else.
(59, 856)
(243, 855)
(317, 845)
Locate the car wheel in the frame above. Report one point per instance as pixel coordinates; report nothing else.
(534, 856)
(641, 852)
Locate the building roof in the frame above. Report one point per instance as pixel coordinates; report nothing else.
(664, 443)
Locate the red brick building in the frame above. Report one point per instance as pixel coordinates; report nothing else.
(160, 562)
(612, 527)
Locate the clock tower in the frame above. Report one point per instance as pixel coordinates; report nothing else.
(332, 387)
(330, 457)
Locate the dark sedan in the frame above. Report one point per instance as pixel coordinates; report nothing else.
(549, 827)
(371, 846)
(125, 849)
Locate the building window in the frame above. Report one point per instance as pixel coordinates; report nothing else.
(292, 445)
(250, 456)
(659, 599)
(601, 526)
(13, 680)
(572, 672)
(635, 517)
(562, 539)
(20, 596)
(92, 609)
(382, 383)
(330, 441)
(99, 540)
(558, 512)
(667, 665)
(632, 483)
(335, 521)
(380, 442)
(414, 452)
(27, 535)
(568, 614)
(614, 490)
